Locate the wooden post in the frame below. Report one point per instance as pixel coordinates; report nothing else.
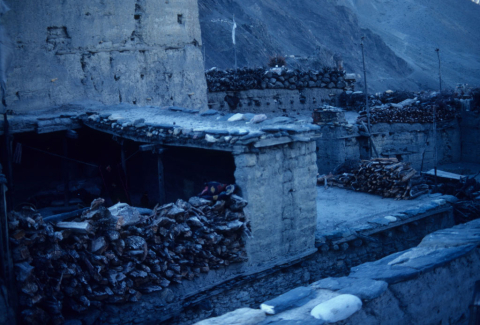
(439, 69)
(367, 107)
(124, 162)
(435, 153)
(3, 228)
(161, 177)
(8, 159)
(65, 172)
(5, 256)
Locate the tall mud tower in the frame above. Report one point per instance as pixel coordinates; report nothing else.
(143, 52)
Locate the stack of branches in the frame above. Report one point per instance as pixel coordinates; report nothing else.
(466, 210)
(115, 255)
(382, 176)
(419, 109)
(465, 188)
(409, 114)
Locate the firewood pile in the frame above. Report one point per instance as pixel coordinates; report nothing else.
(382, 176)
(408, 114)
(466, 210)
(247, 78)
(115, 255)
(401, 107)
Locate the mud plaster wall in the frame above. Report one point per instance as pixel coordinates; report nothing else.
(145, 52)
(272, 100)
(279, 185)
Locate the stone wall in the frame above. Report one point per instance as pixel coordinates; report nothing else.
(335, 145)
(145, 52)
(279, 185)
(333, 262)
(414, 143)
(278, 101)
(432, 283)
(470, 128)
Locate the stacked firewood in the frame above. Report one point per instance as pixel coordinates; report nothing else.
(382, 176)
(115, 255)
(413, 113)
(248, 78)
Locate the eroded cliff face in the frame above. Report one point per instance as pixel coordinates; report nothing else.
(400, 37)
(144, 52)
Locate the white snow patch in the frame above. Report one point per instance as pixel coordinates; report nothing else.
(270, 310)
(236, 117)
(337, 309)
(391, 218)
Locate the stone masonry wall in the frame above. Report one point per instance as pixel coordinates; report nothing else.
(322, 264)
(334, 146)
(470, 128)
(268, 101)
(414, 143)
(279, 185)
(144, 52)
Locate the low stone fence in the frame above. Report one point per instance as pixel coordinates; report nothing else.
(337, 253)
(432, 283)
(276, 78)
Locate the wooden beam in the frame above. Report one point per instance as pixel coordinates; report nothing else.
(161, 180)
(272, 142)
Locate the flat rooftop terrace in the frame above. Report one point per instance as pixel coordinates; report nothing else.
(342, 213)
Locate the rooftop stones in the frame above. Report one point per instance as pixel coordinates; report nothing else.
(167, 125)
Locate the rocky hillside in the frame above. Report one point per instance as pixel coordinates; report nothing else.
(400, 37)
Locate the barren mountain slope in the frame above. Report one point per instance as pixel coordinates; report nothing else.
(401, 37)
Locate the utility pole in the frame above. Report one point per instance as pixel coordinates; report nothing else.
(367, 107)
(234, 42)
(435, 150)
(439, 69)
(365, 81)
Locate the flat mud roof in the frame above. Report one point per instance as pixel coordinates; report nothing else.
(170, 125)
(342, 213)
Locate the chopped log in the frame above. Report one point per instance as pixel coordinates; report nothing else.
(409, 175)
(23, 271)
(78, 227)
(109, 222)
(19, 234)
(21, 253)
(99, 245)
(129, 214)
(65, 216)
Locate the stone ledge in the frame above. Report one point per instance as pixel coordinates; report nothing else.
(402, 267)
(363, 231)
